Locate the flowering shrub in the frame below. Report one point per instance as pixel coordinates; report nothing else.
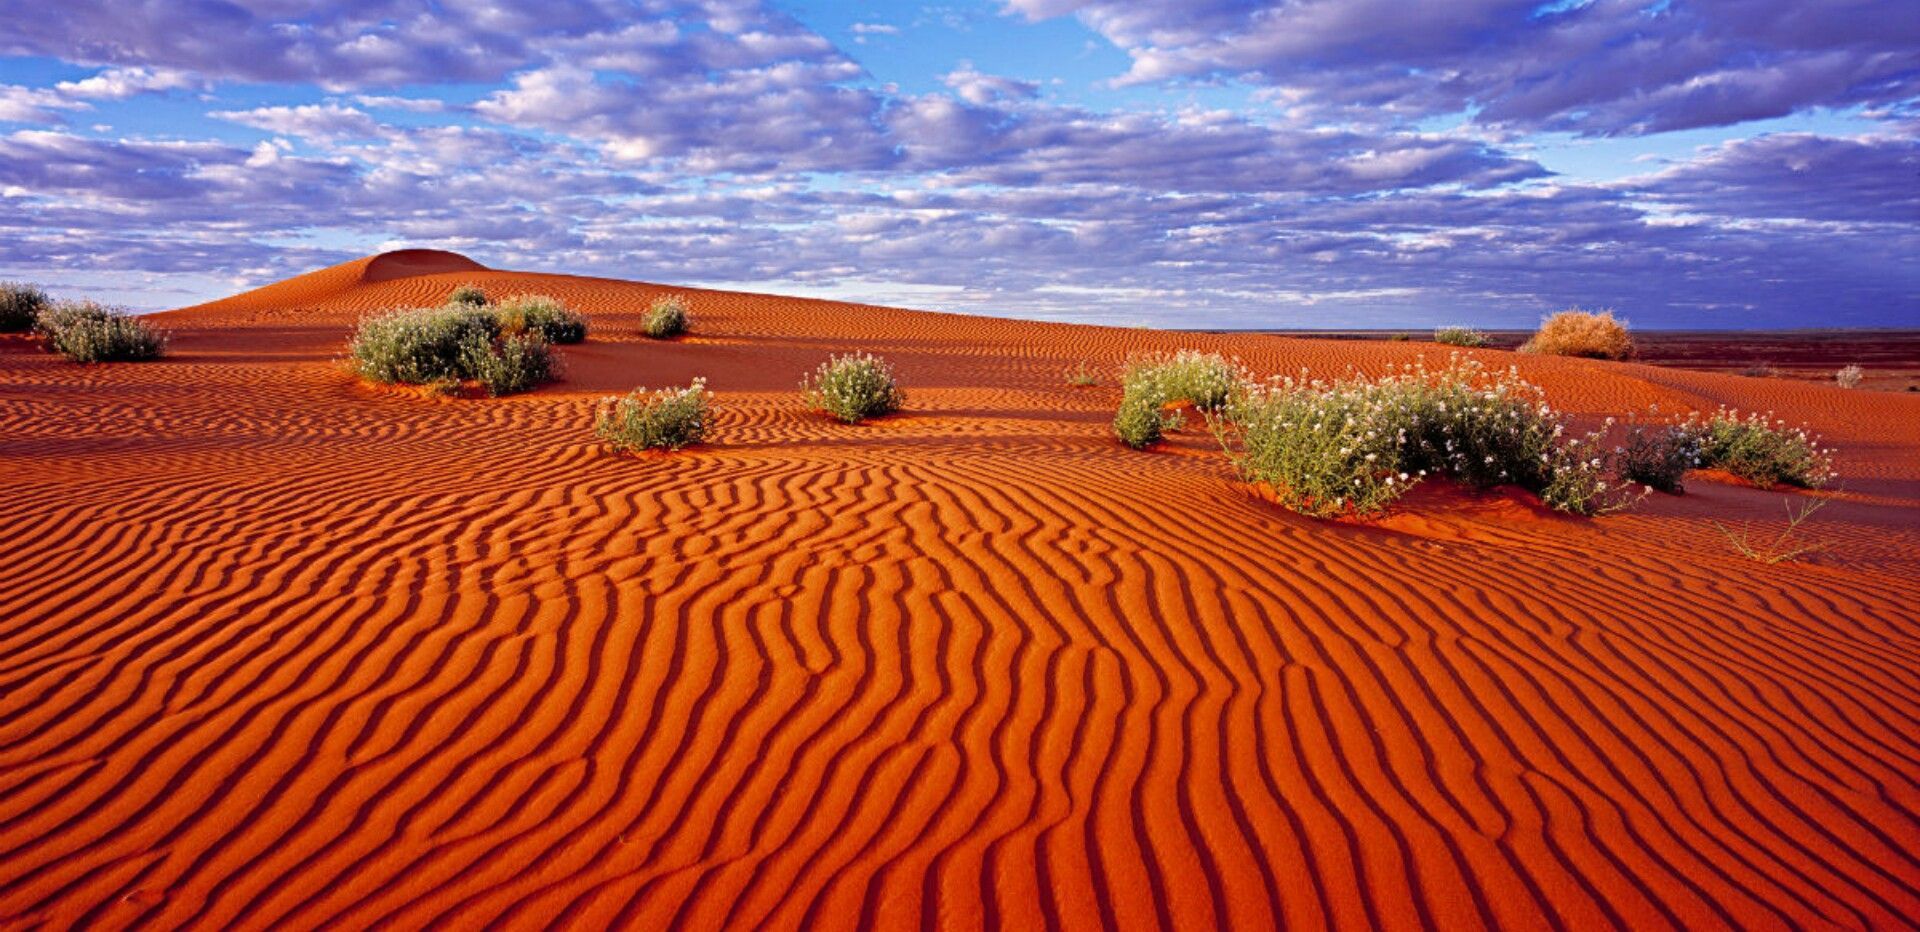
(853, 387)
(666, 318)
(468, 295)
(543, 315)
(1764, 451)
(1582, 333)
(668, 419)
(1849, 376)
(85, 331)
(1207, 381)
(512, 362)
(448, 345)
(20, 305)
(1357, 444)
(1658, 456)
(1460, 336)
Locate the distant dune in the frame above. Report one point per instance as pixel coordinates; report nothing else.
(282, 650)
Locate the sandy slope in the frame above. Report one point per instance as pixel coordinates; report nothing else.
(282, 651)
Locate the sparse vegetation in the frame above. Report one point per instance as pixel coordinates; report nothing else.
(1357, 444)
(1849, 376)
(1764, 451)
(1460, 336)
(1782, 548)
(853, 388)
(1582, 333)
(543, 315)
(1760, 370)
(468, 295)
(1208, 381)
(88, 332)
(1083, 376)
(449, 345)
(1658, 456)
(668, 419)
(666, 318)
(20, 306)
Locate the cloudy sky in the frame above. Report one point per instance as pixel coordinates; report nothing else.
(1205, 163)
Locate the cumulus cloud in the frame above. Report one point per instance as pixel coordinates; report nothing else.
(1602, 67)
(723, 141)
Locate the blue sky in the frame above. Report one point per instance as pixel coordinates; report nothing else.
(1203, 163)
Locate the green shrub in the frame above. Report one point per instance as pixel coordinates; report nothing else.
(668, 419)
(1764, 451)
(666, 318)
(543, 315)
(85, 331)
(1460, 336)
(467, 295)
(449, 345)
(1356, 445)
(419, 346)
(512, 362)
(1658, 456)
(1207, 381)
(20, 306)
(853, 388)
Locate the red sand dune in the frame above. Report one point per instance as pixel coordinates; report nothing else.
(279, 650)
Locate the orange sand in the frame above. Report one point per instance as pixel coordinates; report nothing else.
(279, 650)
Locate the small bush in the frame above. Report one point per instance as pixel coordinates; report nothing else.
(1582, 333)
(1460, 336)
(853, 388)
(668, 419)
(1400, 338)
(513, 362)
(1208, 381)
(1083, 376)
(450, 345)
(1849, 376)
(20, 306)
(468, 295)
(543, 315)
(419, 346)
(1658, 456)
(1764, 451)
(1356, 445)
(85, 331)
(1760, 370)
(666, 318)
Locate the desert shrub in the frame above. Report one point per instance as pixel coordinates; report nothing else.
(1460, 336)
(418, 346)
(1659, 455)
(668, 419)
(853, 387)
(1399, 337)
(1760, 370)
(1083, 376)
(543, 315)
(1764, 451)
(1357, 444)
(666, 318)
(1582, 333)
(450, 345)
(85, 331)
(20, 306)
(468, 295)
(508, 363)
(1849, 376)
(1208, 381)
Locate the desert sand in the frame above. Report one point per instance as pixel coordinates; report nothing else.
(283, 650)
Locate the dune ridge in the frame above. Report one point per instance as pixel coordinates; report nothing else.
(282, 650)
